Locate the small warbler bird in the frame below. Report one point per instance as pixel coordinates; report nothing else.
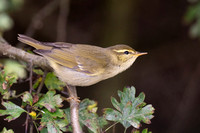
(81, 64)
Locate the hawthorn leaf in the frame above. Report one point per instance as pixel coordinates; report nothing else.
(131, 110)
(27, 98)
(50, 101)
(12, 110)
(53, 83)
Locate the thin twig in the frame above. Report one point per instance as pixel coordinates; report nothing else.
(31, 77)
(62, 20)
(35, 126)
(42, 82)
(40, 15)
(28, 106)
(74, 109)
(26, 123)
(111, 126)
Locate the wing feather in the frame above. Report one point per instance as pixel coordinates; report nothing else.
(79, 58)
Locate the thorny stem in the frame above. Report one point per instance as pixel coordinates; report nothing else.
(74, 109)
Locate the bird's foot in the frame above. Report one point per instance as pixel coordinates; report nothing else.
(74, 98)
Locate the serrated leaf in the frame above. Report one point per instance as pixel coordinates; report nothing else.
(132, 109)
(53, 83)
(12, 110)
(115, 103)
(112, 115)
(7, 131)
(27, 98)
(53, 123)
(50, 101)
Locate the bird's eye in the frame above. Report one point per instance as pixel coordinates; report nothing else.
(126, 52)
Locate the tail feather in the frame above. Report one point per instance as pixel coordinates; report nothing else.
(32, 42)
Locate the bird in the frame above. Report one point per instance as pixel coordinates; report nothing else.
(83, 64)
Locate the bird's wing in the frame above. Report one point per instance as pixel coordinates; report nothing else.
(82, 59)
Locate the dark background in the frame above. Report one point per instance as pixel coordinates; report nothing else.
(168, 75)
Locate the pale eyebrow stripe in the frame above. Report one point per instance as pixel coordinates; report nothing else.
(122, 50)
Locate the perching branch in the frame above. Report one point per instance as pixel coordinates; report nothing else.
(74, 109)
(15, 53)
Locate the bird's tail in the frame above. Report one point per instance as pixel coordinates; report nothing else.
(32, 42)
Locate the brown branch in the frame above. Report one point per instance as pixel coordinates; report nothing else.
(62, 20)
(15, 53)
(19, 54)
(74, 109)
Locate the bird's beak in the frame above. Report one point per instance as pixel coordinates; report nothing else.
(140, 53)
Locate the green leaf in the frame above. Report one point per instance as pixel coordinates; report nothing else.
(38, 71)
(27, 98)
(53, 123)
(36, 84)
(115, 103)
(131, 110)
(12, 110)
(50, 101)
(6, 81)
(112, 115)
(143, 131)
(7, 131)
(59, 113)
(52, 82)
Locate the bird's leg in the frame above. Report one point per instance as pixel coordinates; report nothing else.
(72, 94)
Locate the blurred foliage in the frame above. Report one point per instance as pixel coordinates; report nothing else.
(12, 67)
(192, 17)
(143, 131)
(7, 131)
(6, 81)
(6, 6)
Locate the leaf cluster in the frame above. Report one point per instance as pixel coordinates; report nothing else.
(131, 110)
(49, 116)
